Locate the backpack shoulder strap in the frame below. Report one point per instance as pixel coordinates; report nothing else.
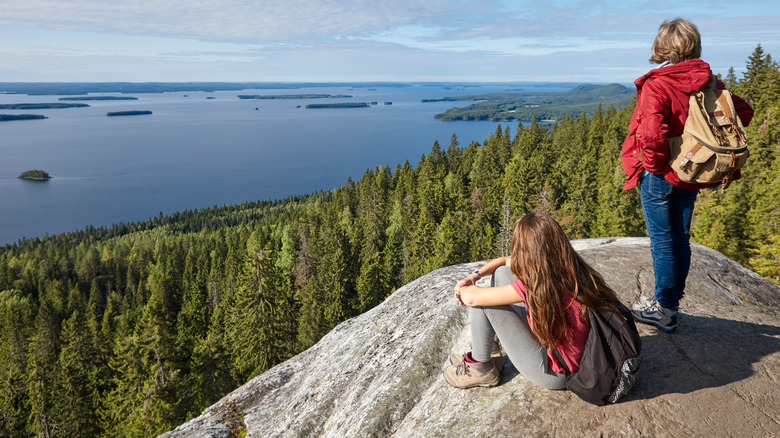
(712, 83)
(561, 361)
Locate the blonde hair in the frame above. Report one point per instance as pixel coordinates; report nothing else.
(677, 40)
(550, 268)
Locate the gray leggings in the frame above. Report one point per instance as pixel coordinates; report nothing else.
(510, 324)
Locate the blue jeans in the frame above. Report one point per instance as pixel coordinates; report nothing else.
(668, 211)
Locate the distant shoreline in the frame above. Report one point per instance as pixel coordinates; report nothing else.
(83, 88)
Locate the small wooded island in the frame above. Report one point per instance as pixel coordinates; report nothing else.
(293, 96)
(99, 98)
(9, 117)
(35, 175)
(29, 106)
(127, 113)
(338, 105)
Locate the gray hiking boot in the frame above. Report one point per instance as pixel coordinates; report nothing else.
(643, 303)
(465, 375)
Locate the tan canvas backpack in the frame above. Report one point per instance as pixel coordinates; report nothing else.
(713, 144)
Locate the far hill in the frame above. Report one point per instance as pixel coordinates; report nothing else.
(545, 106)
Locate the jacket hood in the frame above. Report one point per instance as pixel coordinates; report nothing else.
(687, 76)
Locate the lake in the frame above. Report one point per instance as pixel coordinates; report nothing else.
(201, 149)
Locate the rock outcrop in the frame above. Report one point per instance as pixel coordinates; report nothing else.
(378, 374)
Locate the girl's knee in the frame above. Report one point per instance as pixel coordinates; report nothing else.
(503, 276)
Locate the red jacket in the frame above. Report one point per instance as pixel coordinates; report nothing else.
(661, 110)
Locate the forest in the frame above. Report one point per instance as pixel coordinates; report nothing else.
(132, 329)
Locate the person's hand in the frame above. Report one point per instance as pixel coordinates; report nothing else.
(468, 281)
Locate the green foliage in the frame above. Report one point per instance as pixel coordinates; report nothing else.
(133, 329)
(35, 175)
(545, 106)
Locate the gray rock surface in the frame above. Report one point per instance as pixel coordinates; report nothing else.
(378, 374)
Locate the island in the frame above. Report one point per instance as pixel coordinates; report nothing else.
(293, 96)
(99, 98)
(338, 105)
(35, 175)
(127, 113)
(10, 117)
(28, 106)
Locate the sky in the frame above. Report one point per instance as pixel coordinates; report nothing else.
(598, 41)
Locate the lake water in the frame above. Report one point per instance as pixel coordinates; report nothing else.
(195, 152)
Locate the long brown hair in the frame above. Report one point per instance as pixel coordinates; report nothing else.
(549, 267)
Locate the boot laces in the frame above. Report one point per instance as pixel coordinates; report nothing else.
(462, 369)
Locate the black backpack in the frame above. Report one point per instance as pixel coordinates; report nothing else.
(611, 358)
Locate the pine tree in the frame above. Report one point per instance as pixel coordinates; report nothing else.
(144, 401)
(15, 314)
(256, 342)
(42, 362)
(77, 395)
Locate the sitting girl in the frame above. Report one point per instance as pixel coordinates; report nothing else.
(536, 307)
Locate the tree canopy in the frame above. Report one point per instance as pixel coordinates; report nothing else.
(133, 329)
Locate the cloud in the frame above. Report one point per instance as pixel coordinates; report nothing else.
(231, 20)
(362, 39)
(457, 25)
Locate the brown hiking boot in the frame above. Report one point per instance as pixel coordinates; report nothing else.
(466, 376)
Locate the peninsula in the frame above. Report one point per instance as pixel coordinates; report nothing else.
(545, 105)
(127, 113)
(35, 175)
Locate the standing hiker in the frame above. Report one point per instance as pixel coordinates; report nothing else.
(667, 203)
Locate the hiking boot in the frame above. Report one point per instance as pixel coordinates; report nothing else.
(643, 303)
(465, 375)
(653, 314)
(495, 356)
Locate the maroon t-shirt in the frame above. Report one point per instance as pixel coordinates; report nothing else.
(570, 351)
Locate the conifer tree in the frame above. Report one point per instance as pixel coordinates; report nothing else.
(76, 401)
(15, 314)
(255, 337)
(42, 362)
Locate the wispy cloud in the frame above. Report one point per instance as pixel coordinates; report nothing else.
(233, 20)
(350, 39)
